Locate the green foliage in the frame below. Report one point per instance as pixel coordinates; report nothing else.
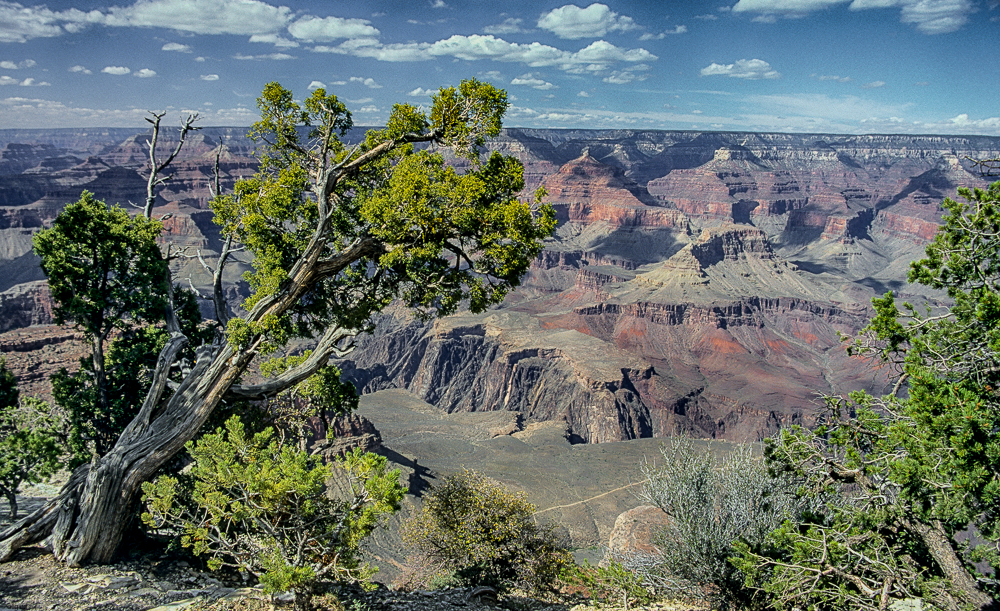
(31, 443)
(477, 529)
(437, 237)
(129, 361)
(712, 504)
(104, 267)
(912, 469)
(107, 277)
(613, 583)
(322, 395)
(9, 393)
(262, 507)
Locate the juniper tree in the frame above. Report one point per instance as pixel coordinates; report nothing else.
(912, 469)
(336, 233)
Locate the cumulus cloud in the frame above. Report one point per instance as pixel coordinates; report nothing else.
(928, 16)
(328, 29)
(832, 77)
(80, 69)
(367, 82)
(209, 77)
(274, 56)
(681, 29)
(316, 85)
(176, 46)
(145, 73)
(420, 92)
(21, 23)
(598, 56)
(583, 94)
(963, 121)
(244, 17)
(116, 70)
(510, 25)
(28, 82)
(26, 112)
(9, 65)
(571, 21)
(750, 69)
(279, 41)
(623, 77)
(873, 85)
(530, 80)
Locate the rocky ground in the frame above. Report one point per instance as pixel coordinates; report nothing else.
(153, 581)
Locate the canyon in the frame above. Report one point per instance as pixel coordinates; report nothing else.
(697, 282)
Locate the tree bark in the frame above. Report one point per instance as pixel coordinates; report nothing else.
(964, 586)
(87, 521)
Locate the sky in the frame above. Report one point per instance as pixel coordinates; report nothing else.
(805, 66)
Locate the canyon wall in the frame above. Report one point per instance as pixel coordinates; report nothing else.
(698, 282)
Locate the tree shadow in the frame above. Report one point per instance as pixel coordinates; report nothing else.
(418, 481)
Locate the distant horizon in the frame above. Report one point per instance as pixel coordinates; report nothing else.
(753, 66)
(166, 129)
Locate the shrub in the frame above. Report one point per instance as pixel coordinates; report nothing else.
(712, 504)
(261, 507)
(30, 444)
(477, 529)
(612, 582)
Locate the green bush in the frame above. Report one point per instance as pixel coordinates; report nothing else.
(475, 528)
(261, 507)
(31, 447)
(611, 583)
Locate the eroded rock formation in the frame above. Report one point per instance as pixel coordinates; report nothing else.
(697, 282)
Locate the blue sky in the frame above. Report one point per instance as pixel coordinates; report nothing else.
(836, 66)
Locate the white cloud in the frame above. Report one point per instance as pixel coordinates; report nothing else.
(708, 17)
(328, 29)
(274, 56)
(873, 85)
(928, 16)
(681, 29)
(28, 82)
(176, 46)
(21, 23)
(623, 77)
(199, 59)
(832, 77)
(145, 73)
(116, 70)
(316, 85)
(599, 55)
(751, 69)
(278, 41)
(9, 65)
(244, 17)
(571, 21)
(583, 94)
(80, 69)
(420, 92)
(530, 80)
(23, 112)
(369, 108)
(963, 121)
(367, 82)
(439, 4)
(511, 25)
(209, 77)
